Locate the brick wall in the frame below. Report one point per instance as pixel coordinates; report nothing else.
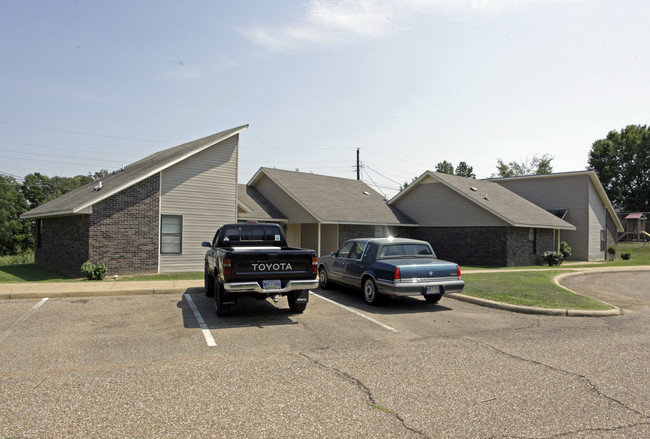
(124, 229)
(476, 246)
(63, 243)
(519, 250)
(348, 231)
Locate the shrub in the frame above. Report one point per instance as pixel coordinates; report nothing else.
(565, 249)
(91, 271)
(612, 253)
(26, 257)
(553, 258)
(626, 256)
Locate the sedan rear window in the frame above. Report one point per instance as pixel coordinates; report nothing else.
(397, 250)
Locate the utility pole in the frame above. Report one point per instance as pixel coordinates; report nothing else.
(358, 166)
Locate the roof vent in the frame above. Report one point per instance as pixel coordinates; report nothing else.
(98, 187)
(473, 189)
(485, 197)
(366, 193)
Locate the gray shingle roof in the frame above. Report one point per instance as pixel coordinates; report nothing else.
(495, 199)
(258, 208)
(79, 200)
(335, 200)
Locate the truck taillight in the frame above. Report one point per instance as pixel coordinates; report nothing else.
(314, 264)
(227, 267)
(458, 270)
(398, 275)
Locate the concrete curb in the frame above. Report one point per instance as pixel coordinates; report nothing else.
(101, 293)
(535, 310)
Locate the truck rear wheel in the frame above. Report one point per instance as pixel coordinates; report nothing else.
(208, 283)
(219, 307)
(298, 300)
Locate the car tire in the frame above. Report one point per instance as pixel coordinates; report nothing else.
(219, 293)
(294, 305)
(433, 298)
(370, 293)
(208, 283)
(323, 280)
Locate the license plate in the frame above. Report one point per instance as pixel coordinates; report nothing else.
(432, 290)
(272, 284)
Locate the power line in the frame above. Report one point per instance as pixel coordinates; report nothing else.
(82, 133)
(53, 155)
(50, 161)
(373, 182)
(64, 148)
(379, 173)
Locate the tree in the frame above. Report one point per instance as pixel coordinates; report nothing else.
(622, 163)
(39, 188)
(445, 167)
(536, 166)
(464, 170)
(15, 233)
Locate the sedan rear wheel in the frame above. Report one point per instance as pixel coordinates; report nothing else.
(323, 280)
(370, 294)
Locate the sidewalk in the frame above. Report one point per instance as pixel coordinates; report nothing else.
(95, 288)
(39, 290)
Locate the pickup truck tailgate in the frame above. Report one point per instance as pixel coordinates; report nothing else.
(271, 263)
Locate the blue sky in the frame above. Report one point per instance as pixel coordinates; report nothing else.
(91, 85)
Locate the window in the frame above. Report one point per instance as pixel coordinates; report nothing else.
(532, 241)
(405, 250)
(357, 250)
(171, 234)
(345, 250)
(603, 241)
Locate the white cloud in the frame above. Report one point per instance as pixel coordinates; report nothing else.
(182, 72)
(331, 22)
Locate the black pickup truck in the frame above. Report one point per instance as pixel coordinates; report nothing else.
(253, 259)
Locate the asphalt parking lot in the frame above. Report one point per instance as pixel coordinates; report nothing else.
(166, 366)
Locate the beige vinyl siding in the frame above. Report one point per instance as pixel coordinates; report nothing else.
(597, 222)
(203, 189)
(309, 237)
(432, 204)
(283, 202)
(293, 235)
(571, 192)
(329, 238)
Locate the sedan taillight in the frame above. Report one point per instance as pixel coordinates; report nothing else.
(398, 275)
(458, 270)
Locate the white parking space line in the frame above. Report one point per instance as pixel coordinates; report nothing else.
(204, 328)
(21, 320)
(356, 313)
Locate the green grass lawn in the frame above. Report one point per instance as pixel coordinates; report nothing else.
(31, 273)
(527, 288)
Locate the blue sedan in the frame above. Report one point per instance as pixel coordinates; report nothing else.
(390, 267)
